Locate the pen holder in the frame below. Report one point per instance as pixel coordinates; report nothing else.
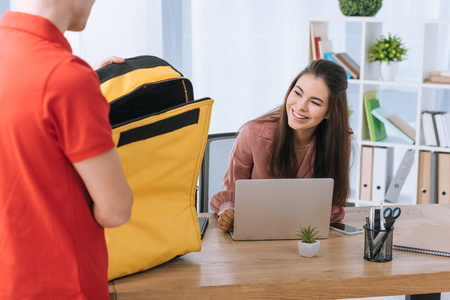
(378, 244)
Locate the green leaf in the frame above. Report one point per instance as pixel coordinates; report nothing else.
(308, 234)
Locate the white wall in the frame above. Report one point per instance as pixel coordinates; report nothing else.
(242, 53)
(121, 28)
(118, 27)
(246, 52)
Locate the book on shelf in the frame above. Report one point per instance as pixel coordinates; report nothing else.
(325, 46)
(395, 124)
(436, 128)
(317, 29)
(438, 79)
(403, 126)
(445, 73)
(376, 128)
(317, 40)
(348, 64)
(329, 56)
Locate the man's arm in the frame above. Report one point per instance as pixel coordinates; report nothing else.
(106, 184)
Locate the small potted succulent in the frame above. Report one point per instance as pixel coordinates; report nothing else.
(308, 246)
(388, 51)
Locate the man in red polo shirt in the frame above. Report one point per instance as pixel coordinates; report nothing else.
(61, 180)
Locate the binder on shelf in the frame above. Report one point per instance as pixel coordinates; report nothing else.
(382, 172)
(434, 123)
(376, 128)
(425, 128)
(424, 178)
(443, 178)
(348, 64)
(438, 118)
(365, 190)
(435, 130)
(385, 116)
(400, 176)
(317, 29)
(433, 178)
(329, 56)
(446, 123)
(429, 129)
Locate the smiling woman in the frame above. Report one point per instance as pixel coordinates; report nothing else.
(306, 137)
(307, 106)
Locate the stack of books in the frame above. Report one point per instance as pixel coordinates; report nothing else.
(320, 44)
(347, 63)
(322, 47)
(436, 128)
(439, 77)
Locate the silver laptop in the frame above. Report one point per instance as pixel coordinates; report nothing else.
(274, 209)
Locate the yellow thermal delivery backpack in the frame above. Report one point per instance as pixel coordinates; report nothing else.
(160, 133)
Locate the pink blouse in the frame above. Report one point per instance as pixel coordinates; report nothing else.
(248, 160)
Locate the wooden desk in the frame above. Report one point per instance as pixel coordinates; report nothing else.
(226, 269)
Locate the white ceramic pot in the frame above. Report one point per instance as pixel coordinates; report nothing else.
(308, 250)
(388, 72)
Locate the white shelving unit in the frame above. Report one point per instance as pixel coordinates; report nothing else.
(428, 45)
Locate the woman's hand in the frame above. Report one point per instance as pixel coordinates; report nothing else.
(337, 213)
(226, 220)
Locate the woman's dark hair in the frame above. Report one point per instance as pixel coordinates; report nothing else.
(333, 135)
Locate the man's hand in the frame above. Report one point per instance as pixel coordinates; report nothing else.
(226, 220)
(108, 61)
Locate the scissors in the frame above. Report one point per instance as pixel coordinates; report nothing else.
(390, 215)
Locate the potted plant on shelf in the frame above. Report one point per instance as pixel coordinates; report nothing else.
(308, 246)
(388, 51)
(366, 8)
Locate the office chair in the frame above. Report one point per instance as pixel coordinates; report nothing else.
(214, 167)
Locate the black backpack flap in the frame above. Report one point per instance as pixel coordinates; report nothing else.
(142, 86)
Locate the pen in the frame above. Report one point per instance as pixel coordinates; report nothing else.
(369, 236)
(371, 220)
(382, 227)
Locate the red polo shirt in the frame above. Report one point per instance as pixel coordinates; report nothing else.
(52, 115)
